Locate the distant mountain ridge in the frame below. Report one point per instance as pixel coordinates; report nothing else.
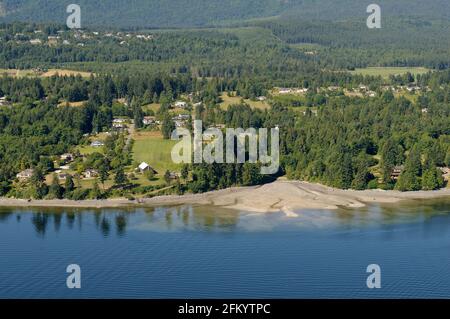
(145, 13)
(198, 13)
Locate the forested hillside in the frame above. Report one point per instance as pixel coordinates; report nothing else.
(182, 13)
(405, 41)
(145, 13)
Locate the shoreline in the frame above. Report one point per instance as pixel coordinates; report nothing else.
(284, 196)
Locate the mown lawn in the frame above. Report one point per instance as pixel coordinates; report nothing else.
(150, 147)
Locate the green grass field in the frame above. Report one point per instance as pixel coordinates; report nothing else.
(385, 72)
(227, 101)
(151, 107)
(151, 148)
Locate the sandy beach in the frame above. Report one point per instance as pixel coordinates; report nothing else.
(285, 196)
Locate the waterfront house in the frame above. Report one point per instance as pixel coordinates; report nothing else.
(3, 101)
(396, 172)
(143, 167)
(119, 126)
(445, 173)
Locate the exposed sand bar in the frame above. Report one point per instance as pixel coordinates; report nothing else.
(286, 196)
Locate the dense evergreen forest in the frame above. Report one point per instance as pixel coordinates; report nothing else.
(194, 13)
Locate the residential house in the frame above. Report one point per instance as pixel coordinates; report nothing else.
(52, 40)
(63, 176)
(181, 104)
(97, 144)
(3, 101)
(119, 121)
(301, 91)
(143, 167)
(148, 120)
(174, 175)
(25, 174)
(363, 88)
(396, 172)
(67, 157)
(119, 126)
(180, 120)
(445, 173)
(36, 41)
(90, 173)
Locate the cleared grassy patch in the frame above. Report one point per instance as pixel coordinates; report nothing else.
(152, 107)
(34, 73)
(150, 147)
(65, 72)
(71, 104)
(385, 72)
(230, 100)
(19, 73)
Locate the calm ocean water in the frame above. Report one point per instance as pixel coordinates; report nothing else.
(207, 252)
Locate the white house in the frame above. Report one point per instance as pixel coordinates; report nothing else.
(3, 101)
(181, 104)
(143, 167)
(63, 176)
(90, 173)
(148, 120)
(97, 144)
(26, 174)
(67, 157)
(284, 91)
(36, 41)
